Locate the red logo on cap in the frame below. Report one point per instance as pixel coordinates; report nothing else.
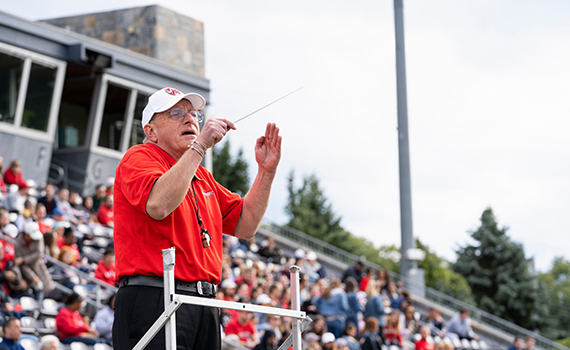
(172, 92)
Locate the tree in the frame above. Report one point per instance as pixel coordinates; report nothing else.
(311, 213)
(499, 274)
(439, 276)
(230, 172)
(556, 287)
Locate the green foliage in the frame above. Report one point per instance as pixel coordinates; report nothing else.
(499, 274)
(311, 213)
(556, 286)
(228, 171)
(564, 342)
(440, 277)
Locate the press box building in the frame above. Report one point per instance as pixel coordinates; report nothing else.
(72, 89)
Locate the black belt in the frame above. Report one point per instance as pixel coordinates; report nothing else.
(201, 288)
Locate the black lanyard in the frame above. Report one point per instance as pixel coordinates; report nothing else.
(204, 234)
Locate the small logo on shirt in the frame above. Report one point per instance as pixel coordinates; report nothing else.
(209, 193)
(172, 92)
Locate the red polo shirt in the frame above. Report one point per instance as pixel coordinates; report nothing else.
(139, 239)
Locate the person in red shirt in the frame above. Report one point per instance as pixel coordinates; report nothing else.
(105, 270)
(423, 343)
(14, 175)
(105, 212)
(70, 324)
(242, 326)
(367, 277)
(392, 333)
(164, 198)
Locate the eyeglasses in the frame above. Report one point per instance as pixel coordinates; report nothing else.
(179, 114)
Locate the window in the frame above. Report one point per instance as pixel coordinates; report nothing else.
(137, 133)
(10, 76)
(39, 97)
(113, 117)
(75, 106)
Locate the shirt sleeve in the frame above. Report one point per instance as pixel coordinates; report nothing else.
(138, 174)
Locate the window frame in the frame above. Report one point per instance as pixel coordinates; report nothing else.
(30, 57)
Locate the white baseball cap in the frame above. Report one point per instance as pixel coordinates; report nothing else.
(165, 98)
(327, 338)
(11, 230)
(33, 230)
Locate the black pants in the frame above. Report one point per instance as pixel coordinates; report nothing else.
(138, 307)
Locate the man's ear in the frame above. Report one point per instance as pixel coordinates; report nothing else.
(150, 133)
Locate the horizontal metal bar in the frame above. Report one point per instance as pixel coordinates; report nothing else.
(241, 306)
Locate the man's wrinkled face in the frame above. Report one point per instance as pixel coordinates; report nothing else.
(174, 136)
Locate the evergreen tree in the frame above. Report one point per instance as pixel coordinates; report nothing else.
(499, 274)
(230, 172)
(439, 276)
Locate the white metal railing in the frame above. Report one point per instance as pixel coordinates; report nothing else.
(173, 301)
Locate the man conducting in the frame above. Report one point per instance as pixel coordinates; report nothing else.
(164, 198)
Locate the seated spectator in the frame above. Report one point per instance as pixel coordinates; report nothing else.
(374, 304)
(459, 326)
(434, 320)
(105, 213)
(11, 277)
(15, 201)
(14, 174)
(392, 333)
(25, 215)
(408, 322)
(270, 251)
(341, 344)
(318, 326)
(69, 240)
(383, 279)
(354, 271)
(248, 277)
(333, 304)
(391, 295)
(49, 342)
(370, 339)
(312, 267)
(369, 275)
(423, 343)
(104, 320)
(79, 211)
(308, 306)
(70, 325)
(4, 218)
(268, 342)
(49, 199)
(98, 197)
(105, 270)
(529, 343)
(272, 324)
(62, 201)
(328, 341)
(88, 204)
(350, 336)
(67, 277)
(51, 247)
(12, 332)
(243, 328)
(40, 216)
(11, 231)
(29, 247)
(517, 344)
(311, 341)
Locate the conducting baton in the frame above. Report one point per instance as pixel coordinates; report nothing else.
(267, 105)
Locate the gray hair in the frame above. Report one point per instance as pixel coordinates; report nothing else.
(47, 340)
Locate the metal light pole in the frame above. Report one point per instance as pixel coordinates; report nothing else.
(406, 265)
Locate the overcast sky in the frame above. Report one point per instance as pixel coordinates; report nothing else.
(488, 84)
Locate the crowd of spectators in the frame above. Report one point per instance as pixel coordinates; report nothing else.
(36, 220)
(364, 309)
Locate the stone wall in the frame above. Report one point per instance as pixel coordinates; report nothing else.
(154, 31)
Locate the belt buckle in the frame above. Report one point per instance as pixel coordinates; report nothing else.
(199, 288)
